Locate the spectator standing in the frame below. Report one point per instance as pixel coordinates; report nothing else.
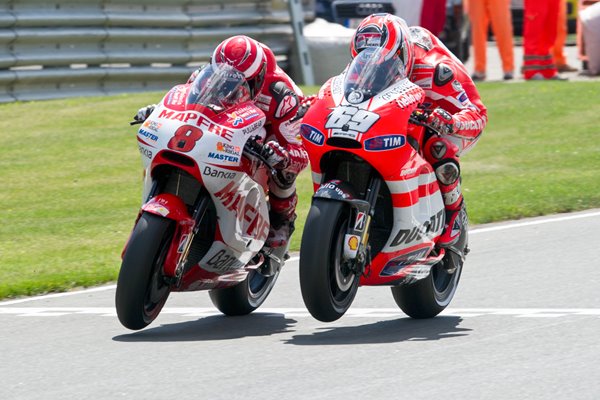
(433, 16)
(558, 50)
(539, 35)
(497, 12)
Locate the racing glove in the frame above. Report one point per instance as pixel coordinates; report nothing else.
(441, 120)
(305, 104)
(144, 112)
(276, 155)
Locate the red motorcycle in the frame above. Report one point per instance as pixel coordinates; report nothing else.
(377, 210)
(204, 220)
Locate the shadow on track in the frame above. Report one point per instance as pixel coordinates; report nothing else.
(219, 327)
(389, 331)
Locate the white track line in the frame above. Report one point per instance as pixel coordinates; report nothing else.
(75, 292)
(473, 231)
(534, 222)
(303, 313)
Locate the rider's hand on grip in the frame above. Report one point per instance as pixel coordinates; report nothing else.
(276, 155)
(144, 112)
(305, 104)
(441, 120)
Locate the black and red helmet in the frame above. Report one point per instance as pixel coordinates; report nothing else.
(387, 31)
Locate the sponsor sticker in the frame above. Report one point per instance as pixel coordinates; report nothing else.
(216, 173)
(223, 157)
(359, 224)
(312, 134)
(234, 119)
(228, 148)
(158, 209)
(145, 152)
(148, 135)
(152, 125)
(386, 142)
(351, 243)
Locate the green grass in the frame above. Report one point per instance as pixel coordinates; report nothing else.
(71, 176)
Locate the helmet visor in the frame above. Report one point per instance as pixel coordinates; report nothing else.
(218, 87)
(370, 73)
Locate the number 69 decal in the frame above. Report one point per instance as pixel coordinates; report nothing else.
(349, 118)
(185, 138)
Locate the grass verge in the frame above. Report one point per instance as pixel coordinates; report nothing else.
(71, 176)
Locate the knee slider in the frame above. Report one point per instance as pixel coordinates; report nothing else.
(447, 172)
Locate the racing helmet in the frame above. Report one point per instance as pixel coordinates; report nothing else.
(245, 55)
(389, 32)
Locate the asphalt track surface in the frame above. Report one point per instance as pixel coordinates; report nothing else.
(524, 324)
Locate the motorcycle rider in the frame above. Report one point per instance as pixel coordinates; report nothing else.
(274, 92)
(455, 107)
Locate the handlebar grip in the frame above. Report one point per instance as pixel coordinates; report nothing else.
(255, 149)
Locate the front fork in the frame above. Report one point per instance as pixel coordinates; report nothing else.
(172, 207)
(200, 207)
(356, 240)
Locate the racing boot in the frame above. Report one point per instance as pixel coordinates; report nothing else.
(282, 216)
(281, 230)
(455, 224)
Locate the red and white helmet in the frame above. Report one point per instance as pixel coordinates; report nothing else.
(387, 31)
(247, 56)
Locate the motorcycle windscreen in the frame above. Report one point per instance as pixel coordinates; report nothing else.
(219, 87)
(371, 72)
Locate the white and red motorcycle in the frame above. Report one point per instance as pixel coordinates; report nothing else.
(204, 218)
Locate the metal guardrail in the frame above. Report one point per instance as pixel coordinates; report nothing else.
(62, 48)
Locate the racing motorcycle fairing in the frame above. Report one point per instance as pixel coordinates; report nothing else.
(352, 128)
(195, 139)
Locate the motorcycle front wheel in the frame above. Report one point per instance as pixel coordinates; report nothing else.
(141, 288)
(327, 284)
(246, 296)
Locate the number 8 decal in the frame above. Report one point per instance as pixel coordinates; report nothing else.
(185, 138)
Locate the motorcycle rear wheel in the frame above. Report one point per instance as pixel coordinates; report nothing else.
(429, 296)
(141, 288)
(246, 296)
(328, 287)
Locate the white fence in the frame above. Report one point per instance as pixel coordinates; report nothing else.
(61, 48)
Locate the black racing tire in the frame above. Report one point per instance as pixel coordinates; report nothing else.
(246, 296)
(141, 288)
(427, 297)
(328, 288)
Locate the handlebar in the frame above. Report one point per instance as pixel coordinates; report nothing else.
(419, 117)
(135, 122)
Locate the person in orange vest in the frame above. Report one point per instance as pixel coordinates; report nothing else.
(481, 14)
(539, 34)
(558, 50)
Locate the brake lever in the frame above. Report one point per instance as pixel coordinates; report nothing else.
(253, 148)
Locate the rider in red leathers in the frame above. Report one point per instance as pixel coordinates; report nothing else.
(274, 92)
(452, 99)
